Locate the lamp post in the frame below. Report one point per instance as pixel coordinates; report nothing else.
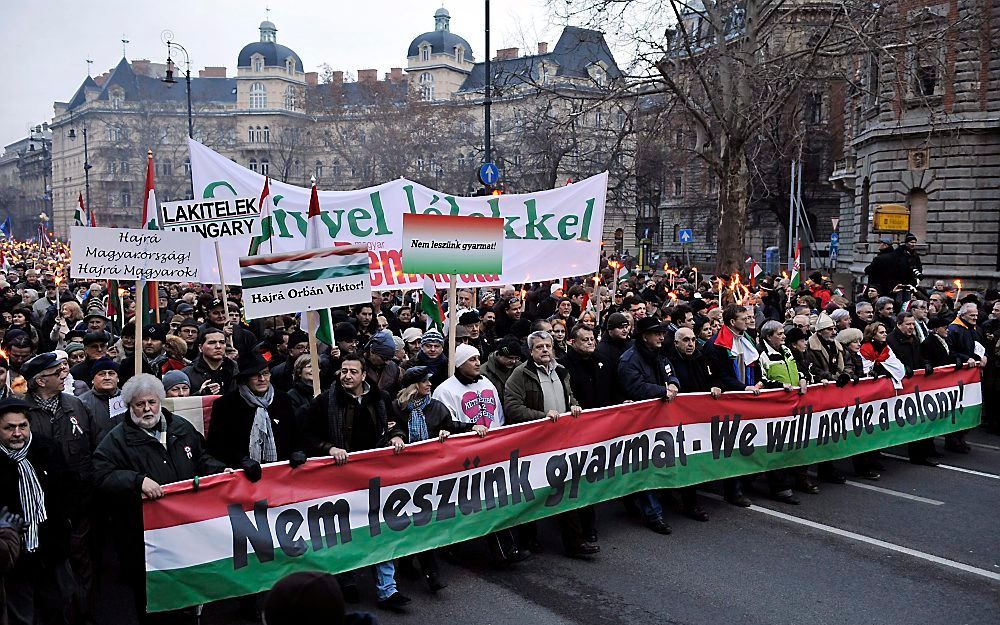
(86, 162)
(38, 134)
(170, 80)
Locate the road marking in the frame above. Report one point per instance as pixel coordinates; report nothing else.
(982, 445)
(949, 467)
(896, 493)
(880, 543)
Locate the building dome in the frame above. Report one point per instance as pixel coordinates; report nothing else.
(441, 39)
(268, 47)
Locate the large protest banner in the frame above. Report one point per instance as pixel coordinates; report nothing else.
(131, 254)
(547, 234)
(231, 537)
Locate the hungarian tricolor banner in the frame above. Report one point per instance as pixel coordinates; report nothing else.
(430, 303)
(753, 269)
(195, 408)
(797, 267)
(231, 537)
(80, 217)
(317, 322)
(146, 295)
(265, 221)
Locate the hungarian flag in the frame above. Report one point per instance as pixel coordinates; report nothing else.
(265, 220)
(797, 267)
(753, 269)
(318, 321)
(197, 409)
(147, 303)
(115, 311)
(431, 304)
(80, 215)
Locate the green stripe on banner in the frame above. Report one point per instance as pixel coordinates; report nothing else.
(306, 275)
(303, 549)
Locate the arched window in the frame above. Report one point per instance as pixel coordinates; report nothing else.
(258, 96)
(258, 63)
(420, 164)
(319, 169)
(459, 54)
(253, 164)
(265, 135)
(427, 86)
(916, 201)
(251, 137)
(265, 167)
(117, 98)
(425, 52)
(290, 97)
(290, 65)
(126, 198)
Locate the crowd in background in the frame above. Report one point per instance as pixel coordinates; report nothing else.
(84, 438)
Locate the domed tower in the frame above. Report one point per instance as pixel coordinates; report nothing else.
(438, 61)
(269, 76)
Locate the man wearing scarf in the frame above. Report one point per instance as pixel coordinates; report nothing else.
(98, 400)
(33, 483)
(380, 369)
(432, 355)
(255, 422)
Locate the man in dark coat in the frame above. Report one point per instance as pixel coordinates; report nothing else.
(103, 389)
(887, 269)
(281, 373)
(352, 416)
(254, 420)
(149, 448)
(39, 585)
(587, 372)
(610, 348)
(211, 373)
(95, 346)
(904, 343)
(963, 334)
(242, 338)
(645, 373)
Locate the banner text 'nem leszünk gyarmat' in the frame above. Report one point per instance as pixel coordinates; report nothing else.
(233, 538)
(548, 234)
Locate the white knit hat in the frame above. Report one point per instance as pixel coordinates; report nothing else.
(463, 353)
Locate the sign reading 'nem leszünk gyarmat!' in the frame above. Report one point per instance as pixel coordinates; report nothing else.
(547, 235)
(442, 244)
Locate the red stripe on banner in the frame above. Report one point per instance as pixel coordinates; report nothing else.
(269, 259)
(318, 478)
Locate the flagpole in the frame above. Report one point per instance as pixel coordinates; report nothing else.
(225, 299)
(452, 321)
(137, 318)
(597, 305)
(314, 351)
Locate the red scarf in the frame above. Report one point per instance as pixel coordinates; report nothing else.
(868, 353)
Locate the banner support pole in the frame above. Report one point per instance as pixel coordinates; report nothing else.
(137, 353)
(314, 351)
(452, 321)
(225, 297)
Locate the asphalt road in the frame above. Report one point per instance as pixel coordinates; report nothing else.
(922, 545)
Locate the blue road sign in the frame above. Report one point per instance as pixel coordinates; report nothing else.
(684, 235)
(488, 173)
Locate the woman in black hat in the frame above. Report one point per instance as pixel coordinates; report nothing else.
(422, 417)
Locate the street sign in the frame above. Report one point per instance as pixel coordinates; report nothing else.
(488, 174)
(685, 235)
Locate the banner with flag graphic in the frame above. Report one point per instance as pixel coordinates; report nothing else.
(265, 221)
(797, 267)
(147, 300)
(318, 322)
(80, 217)
(430, 303)
(278, 284)
(230, 537)
(753, 269)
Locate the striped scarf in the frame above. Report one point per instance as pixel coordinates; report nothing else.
(30, 491)
(262, 446)
(50, 405)
(417, 425)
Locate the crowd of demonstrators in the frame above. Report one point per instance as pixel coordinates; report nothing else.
(85, 439)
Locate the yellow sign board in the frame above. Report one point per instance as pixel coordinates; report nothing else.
(891, 219)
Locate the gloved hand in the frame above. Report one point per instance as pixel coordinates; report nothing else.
(297, 459)
(928, 370)
(843, 379)
(959, 364)
(855, 379)
(11, 520)
(908, 374)
(251, 469)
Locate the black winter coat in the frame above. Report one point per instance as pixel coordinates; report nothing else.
(907, 349)
(57, 483)
(935, 354)
(693, 371)
(336, 419)
(437, 416)
(77, 440)
(232, 419)
(591, 379)
(301, 395)
(199, 371)
(645, 374)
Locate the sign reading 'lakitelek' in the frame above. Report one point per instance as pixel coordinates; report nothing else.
(231, 537)
(213, 218)
(278, 284)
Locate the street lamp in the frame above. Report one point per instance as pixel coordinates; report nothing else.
(37, 133)
(86, 162)
(170, 80)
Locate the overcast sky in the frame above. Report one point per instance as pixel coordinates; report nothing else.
(49, 40)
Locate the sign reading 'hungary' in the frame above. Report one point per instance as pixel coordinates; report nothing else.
(278, 284)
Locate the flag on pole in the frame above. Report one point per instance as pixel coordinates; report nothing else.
(431, 304)
(797, 267)
(753, 269)
(317, 321)
(115, 312)
(5, 228)
(265, 220)
(146, 292)
(80, 215)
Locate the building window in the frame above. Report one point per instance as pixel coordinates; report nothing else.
(676, 233)
(251, 135)
(253, 164)
(678, 138)
(425, 52)
(124, 168)
(319, 169)
(420, 164)
(290, 97)
(459, 54)
(126, 199)
(290, 65)
(117, 98)
(187, 167)
(426, 86)
(678, 186)
(111, 167)
(814, 108)
(598, 119)
(265, 167)
(925, 76)
(916, 201)
(258, 96)
(265, 135)
(258, 63)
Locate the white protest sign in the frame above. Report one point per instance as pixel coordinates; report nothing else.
(213, 218)
(278, 284)
(116, 406)
(131, 254)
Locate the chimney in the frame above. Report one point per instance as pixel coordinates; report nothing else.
(212, 72)
(505, 54)
(141, 67)
(312, 78)
(367, 75)
(336, 78)
(543, 47)
(396, 74)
